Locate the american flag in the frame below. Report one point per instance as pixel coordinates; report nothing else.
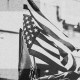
(45, 47)
(53, 43)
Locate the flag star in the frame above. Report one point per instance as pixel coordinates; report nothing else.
(28, 37)
(24, 28)
(26, 33)
(23, 24)
(32, 35)
(26, 18)
(29, 26)
(34, 25)
(35, 30)
(30, 31)
(30, 42)
(27, 22)
(32, 20)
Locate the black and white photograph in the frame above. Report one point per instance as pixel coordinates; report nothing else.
(39, 39)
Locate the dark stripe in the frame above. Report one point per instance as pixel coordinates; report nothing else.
(73, 68)
(41, 36)
(65, 60)
(33, 5)
(47, 60)
(47, 50)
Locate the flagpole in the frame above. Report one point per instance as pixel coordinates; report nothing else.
(20, 49)
(35, 67)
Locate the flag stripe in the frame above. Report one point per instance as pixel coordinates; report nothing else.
(73, 68)
(62, 52)
(70, 62)
(38, 61)
(65, 60)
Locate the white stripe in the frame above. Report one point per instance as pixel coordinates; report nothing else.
(50, 26)
(47, 46)
(39, 61)
(70, 62)
(42, 51)
(61, 58)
